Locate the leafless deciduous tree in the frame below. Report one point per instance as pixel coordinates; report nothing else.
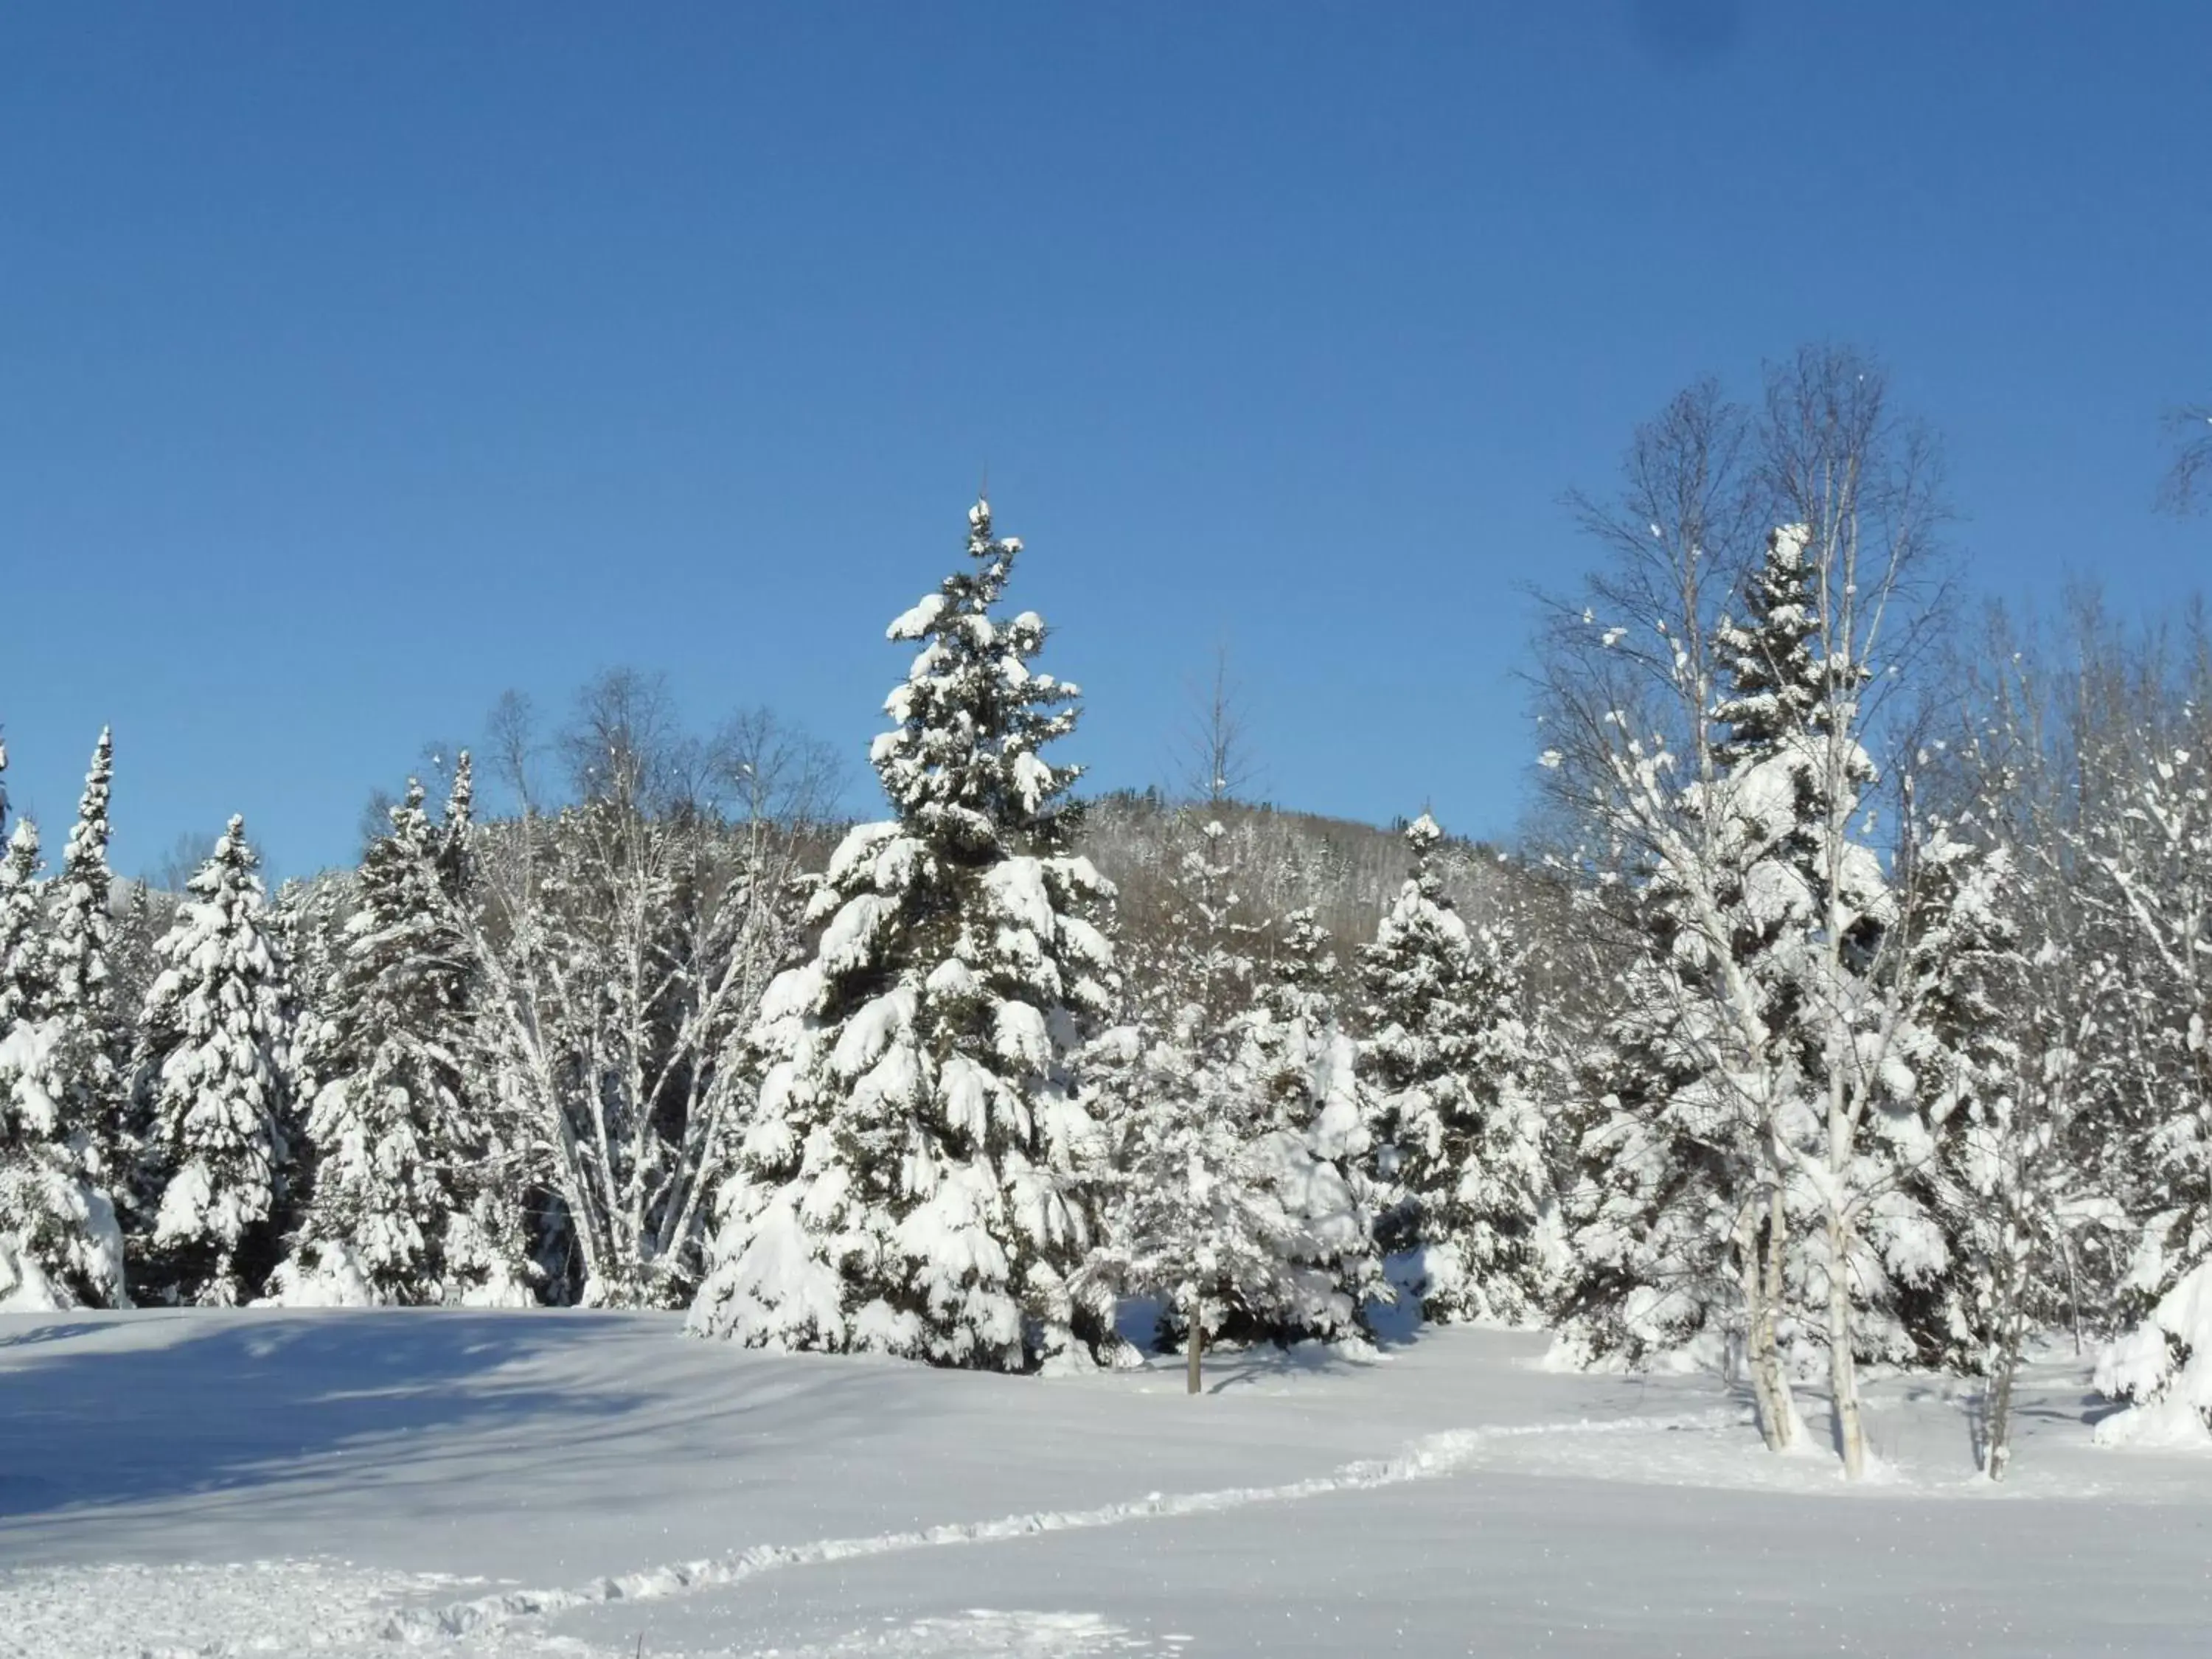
(1216, 746)
(1628, 694)
(626, 933)
(1774, 920)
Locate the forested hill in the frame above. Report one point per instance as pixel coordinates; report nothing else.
(1345, 871)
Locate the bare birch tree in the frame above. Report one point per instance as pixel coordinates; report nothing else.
(1864, 486)
(1726, 771)
(1630, 698)
(626, 937)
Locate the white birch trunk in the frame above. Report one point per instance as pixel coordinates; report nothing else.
(1843, 1370)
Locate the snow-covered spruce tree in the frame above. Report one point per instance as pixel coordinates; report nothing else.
(397, 1126)
(1683, 1235)
(1315, 1133)
(1672, 1195)
(1778, 797)
(1195, 1213)
(914, 1177)
(27, 1115)
(26, 973)
(1449, 1065)
(214, 1088)
(486, 1245)
(2146, 845)
(1829, 943)
(131, 965)
(61, 1245)
(60, 1122)
(92, 1048)
(1998, 1047)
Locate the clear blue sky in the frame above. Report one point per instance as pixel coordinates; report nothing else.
(359, 362)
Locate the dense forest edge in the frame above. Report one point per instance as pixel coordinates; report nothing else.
(1842, 1004)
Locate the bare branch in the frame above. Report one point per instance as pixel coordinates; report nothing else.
(1216, 746)
(2188, 482)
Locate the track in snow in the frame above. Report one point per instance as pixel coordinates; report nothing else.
(1430, 1458)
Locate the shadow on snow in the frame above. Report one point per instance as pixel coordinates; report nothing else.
(253, 1400)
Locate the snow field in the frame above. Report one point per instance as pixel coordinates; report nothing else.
(468, 1484)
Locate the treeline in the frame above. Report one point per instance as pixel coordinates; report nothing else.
(1844, 1004)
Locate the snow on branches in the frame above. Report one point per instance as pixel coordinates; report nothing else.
(915, 1176)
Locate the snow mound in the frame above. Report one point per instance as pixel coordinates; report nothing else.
(174, 1611)
(332, 1279)
(2163, 1369)
(24, 1286)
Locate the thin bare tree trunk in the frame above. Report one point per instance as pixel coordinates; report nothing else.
(1758, 1332)
(1194, 1345)
(1783, 1423)
(1778, 1252)
(1842, 1372)
(1996, 1431)
(2004, 1368)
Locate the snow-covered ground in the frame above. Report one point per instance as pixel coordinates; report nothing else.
(561, 1483)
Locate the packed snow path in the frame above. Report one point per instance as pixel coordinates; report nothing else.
(545, 1483)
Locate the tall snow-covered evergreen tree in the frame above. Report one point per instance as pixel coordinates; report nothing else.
(1684, 1236)
(1773, 1106)
(913, 1178)
(1831, 949)
(397, 1126)
(1449, 1064)
(213, 1087)
(26, 972)
(486, 1243)
(130, 964)
(91, 1048)
(1999, 1046)
(60, 1114)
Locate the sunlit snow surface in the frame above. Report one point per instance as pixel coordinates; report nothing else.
(355, 1483)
